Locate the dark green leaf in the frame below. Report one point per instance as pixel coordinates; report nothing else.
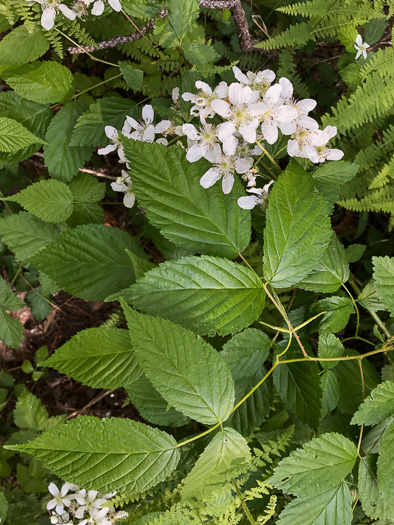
(21, 46)
(384, 280)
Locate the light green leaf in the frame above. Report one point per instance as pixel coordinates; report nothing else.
(369, 298)
(106, 454)
(329, 347)
(384, 280)
(205, 221)
(89, 129)
(140, 266)
(3, 508)
(354, 252)
(330, 177)
(89, 261)
(142, 9)
(9, 300)
(29, 412)
(378, 406)
(21, 46)
(14, 136)
(371, 441)
(320, 465)
(226, 456)
(205, 294)
(201, 385)
(182, 15)
(152, 406)
(97, 357)
(133, 77)
(338, 310)
(87, 192)
(62, 160)
(49, 200)
(200, 54)
(25, 235)
(298, 228)
(331, 272)
(386, 464)
(331, 392)
(10, 330)
(374, 503)
(333, 507)
(46, 82)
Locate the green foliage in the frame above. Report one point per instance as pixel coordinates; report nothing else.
(384, 283)
(14, 136)
(378, 406)
(10, 328)
(21, 46)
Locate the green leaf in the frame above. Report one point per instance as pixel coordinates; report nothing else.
(371, 441)
(21, 46)
(331, 392)
(386, 464)
(354, 252)
(201, 385)
(200, 54)
(89, 261)
(97, 357)
(226, 456)
(133, 77)
(331, 272)
(14, 136)
(152, 406)
(25, 235)
(182, 15)
(205, 221)
(8, 300)
(62, 160)
(338, 310)
(46, 82)
(374, 29)
(378, 406)
(39, 307)
(140, 266)
(123, 455)
(320, 465)
(333, 507)
(298, 228)
(29, 412)
(329, 347)
(384, 280)
(3, 508)
(143, 9)
(49, 200)
(373, 502)
(11, 330)
(89, 129)
(369, 298)
(298, 386)
(330, 177)
(205, 294)
(87, 192)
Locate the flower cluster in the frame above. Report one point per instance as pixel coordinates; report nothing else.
(72, 505)
(234, 123)
(80, 9)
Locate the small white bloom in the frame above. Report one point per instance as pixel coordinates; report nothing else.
(124, 184)
(60, 499)
(50, 9)
(202, 101)
(200, 142)
(312, 145)
(88, 500)
(260, 81)
(98, 6)
(146, 131)
(175, 95)
(80, 8)
(113, 135)
(260, 195)
(361, 47)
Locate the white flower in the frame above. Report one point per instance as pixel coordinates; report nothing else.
(59, 498)
(201, 141)
(80, 8)
(312, 145)
(49, 11)
(124, 185)
(98, 6)
(88, 500)
(224, 168)
(145, 132)
(250, 201)
(97, 517)
(113, 135)
(175, 95)
(121, 514)
(260, 81)
(303, 108)
(202, 101)
(361, 47)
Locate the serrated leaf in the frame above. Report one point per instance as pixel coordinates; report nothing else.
(369, 298)
(9, 300)
(87, 192)
(152, 406)
(39, 307)
(89, 261)
(331, 272)
(331, 392)
(49, 200)
(133, 77)
(226, 456)
(373, 503)
(29, 412)
(205, 221)
(384, 280)
(329, 347)
(11, 330)
(320, 465)
(46, 82)
(25, 235)
(297, 231)
(21, 46)
(374, 29)
(124, 455)
(354, 252)
(14, 136)
(205, 294)
(338, 310)
(89, 129)
(200, 54)
(378, 406)
(201, 385)
(386, 464)
(333, 507)
(62, 160)
(182, 15)
(371, 441)
(97, 357)
(3, 508)
(330, 177)
(298, 386)
(140, 266)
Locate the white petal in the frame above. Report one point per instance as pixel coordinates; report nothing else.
(267, 74)
(53, 489)
(258, 109)
(273, 93)
(80, 512)
(60, 509)
(287, 128)
(129, 200)
(335, 154)
(230, 145)
(359, 40)
(241, 77)
(48, 18)
(358, 54)
(98, 8)
(270, 133)
(236, 93)
(308, 123)
(204, 87)
(364, 54)
(221, 107)
(227, 183)
(65, 488)
(126, 127)
(115, 4)
(287, 87)
(248, 132)
(309, 152)
(133, 123)
(247, 203)
(162, 126)
(243, 165)
(209, 178)
(148, 114)
(175, 95)
(286, 113)
(221, 89)
(190, 131)
(214, 154)
(293, 149)
(162, 141)
(111, 132)
(67, 12)
(195, 153)
(306, 105)
(118, 187)
(108, 149)
(225, 131)
(51, 504)
(187, 97)
(149, 134)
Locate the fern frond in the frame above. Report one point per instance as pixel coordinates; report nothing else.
(296, 35)
(384, 175)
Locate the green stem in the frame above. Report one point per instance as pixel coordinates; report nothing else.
(355, 307)
(84, 50)
(244, 506)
